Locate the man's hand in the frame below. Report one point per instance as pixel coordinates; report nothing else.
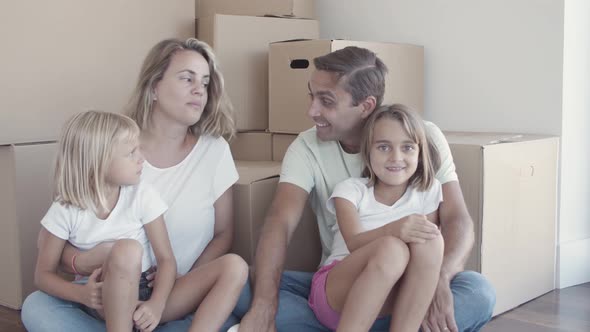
(259, 319)
(441, 314)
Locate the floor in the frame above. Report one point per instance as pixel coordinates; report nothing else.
(567, 309)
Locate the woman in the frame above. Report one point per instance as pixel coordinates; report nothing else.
(183, 112)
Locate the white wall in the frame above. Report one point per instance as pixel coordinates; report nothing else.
(503, 65)
(574, 228)
(490, 65)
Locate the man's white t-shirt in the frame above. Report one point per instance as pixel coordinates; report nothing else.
(190, 188)
(373, 214)
(318, 166)
(137, 205)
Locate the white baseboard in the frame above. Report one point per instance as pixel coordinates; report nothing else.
(573, 266)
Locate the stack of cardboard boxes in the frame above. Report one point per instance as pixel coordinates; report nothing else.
(239, 33)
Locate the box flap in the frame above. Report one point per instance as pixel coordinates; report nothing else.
(485, 139)
(254, 171)
(275, 8)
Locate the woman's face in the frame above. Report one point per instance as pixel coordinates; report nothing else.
(181, 95)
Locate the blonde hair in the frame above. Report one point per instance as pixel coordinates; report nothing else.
(84, 155)
(428, 158)
(217, 119)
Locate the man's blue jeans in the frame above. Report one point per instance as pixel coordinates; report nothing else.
(474, 299)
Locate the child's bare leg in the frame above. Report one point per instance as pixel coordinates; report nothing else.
(417, 286)
(359, 285)
(121, 272)
(212, 290)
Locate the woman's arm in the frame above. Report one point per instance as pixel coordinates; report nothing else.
(412, 228)
(47, 280)
(223, 232)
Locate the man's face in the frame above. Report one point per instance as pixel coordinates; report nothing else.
(332, 108)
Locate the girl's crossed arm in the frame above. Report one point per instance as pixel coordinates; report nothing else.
(47, 279)
(148, 314)
(413, 228)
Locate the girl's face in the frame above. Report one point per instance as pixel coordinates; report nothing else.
(393, 155)
(181, 95)
(126, 164)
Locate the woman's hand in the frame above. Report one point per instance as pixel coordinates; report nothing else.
(414, 228)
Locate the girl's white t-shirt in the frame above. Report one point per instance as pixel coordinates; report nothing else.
(373, 214)
(190, 188)
(137, 205)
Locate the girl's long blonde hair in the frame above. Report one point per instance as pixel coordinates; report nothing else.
(84, 155)
(218, 117)
(428, 158)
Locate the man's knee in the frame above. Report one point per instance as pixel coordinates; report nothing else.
(480, 291)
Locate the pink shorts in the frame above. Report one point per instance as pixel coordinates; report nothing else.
(318, 299)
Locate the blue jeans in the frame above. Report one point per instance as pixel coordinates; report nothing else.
(474, 299)
(43, 313)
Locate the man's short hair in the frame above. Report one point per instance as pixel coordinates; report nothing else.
(362, 72)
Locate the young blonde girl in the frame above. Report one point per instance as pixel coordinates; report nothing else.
(387, 250)
(99, 198)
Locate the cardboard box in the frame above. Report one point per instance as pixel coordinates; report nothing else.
(241, 46)
(291, 65)
(253, 194)
(280, 144)
(252, 146)
(279, 8)
(510, 186)
(26, 192)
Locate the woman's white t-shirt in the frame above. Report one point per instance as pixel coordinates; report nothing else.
(373, 214)
(136, 206)
(190, 188)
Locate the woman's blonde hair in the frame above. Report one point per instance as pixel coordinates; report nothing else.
(217, 119)
(428, 158)
(84, 155)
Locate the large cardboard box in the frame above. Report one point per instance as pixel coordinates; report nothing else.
(253, 194)
(26, 191)
(279, 8)
(241, 46)
(252, 146)
(291, 65)
(509, 183)
(280, 144)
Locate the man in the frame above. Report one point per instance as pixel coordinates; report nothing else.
(345, 88)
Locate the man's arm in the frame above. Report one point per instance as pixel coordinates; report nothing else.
(280, 223)
(457, 230)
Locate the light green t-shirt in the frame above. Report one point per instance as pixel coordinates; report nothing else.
(318, 166)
